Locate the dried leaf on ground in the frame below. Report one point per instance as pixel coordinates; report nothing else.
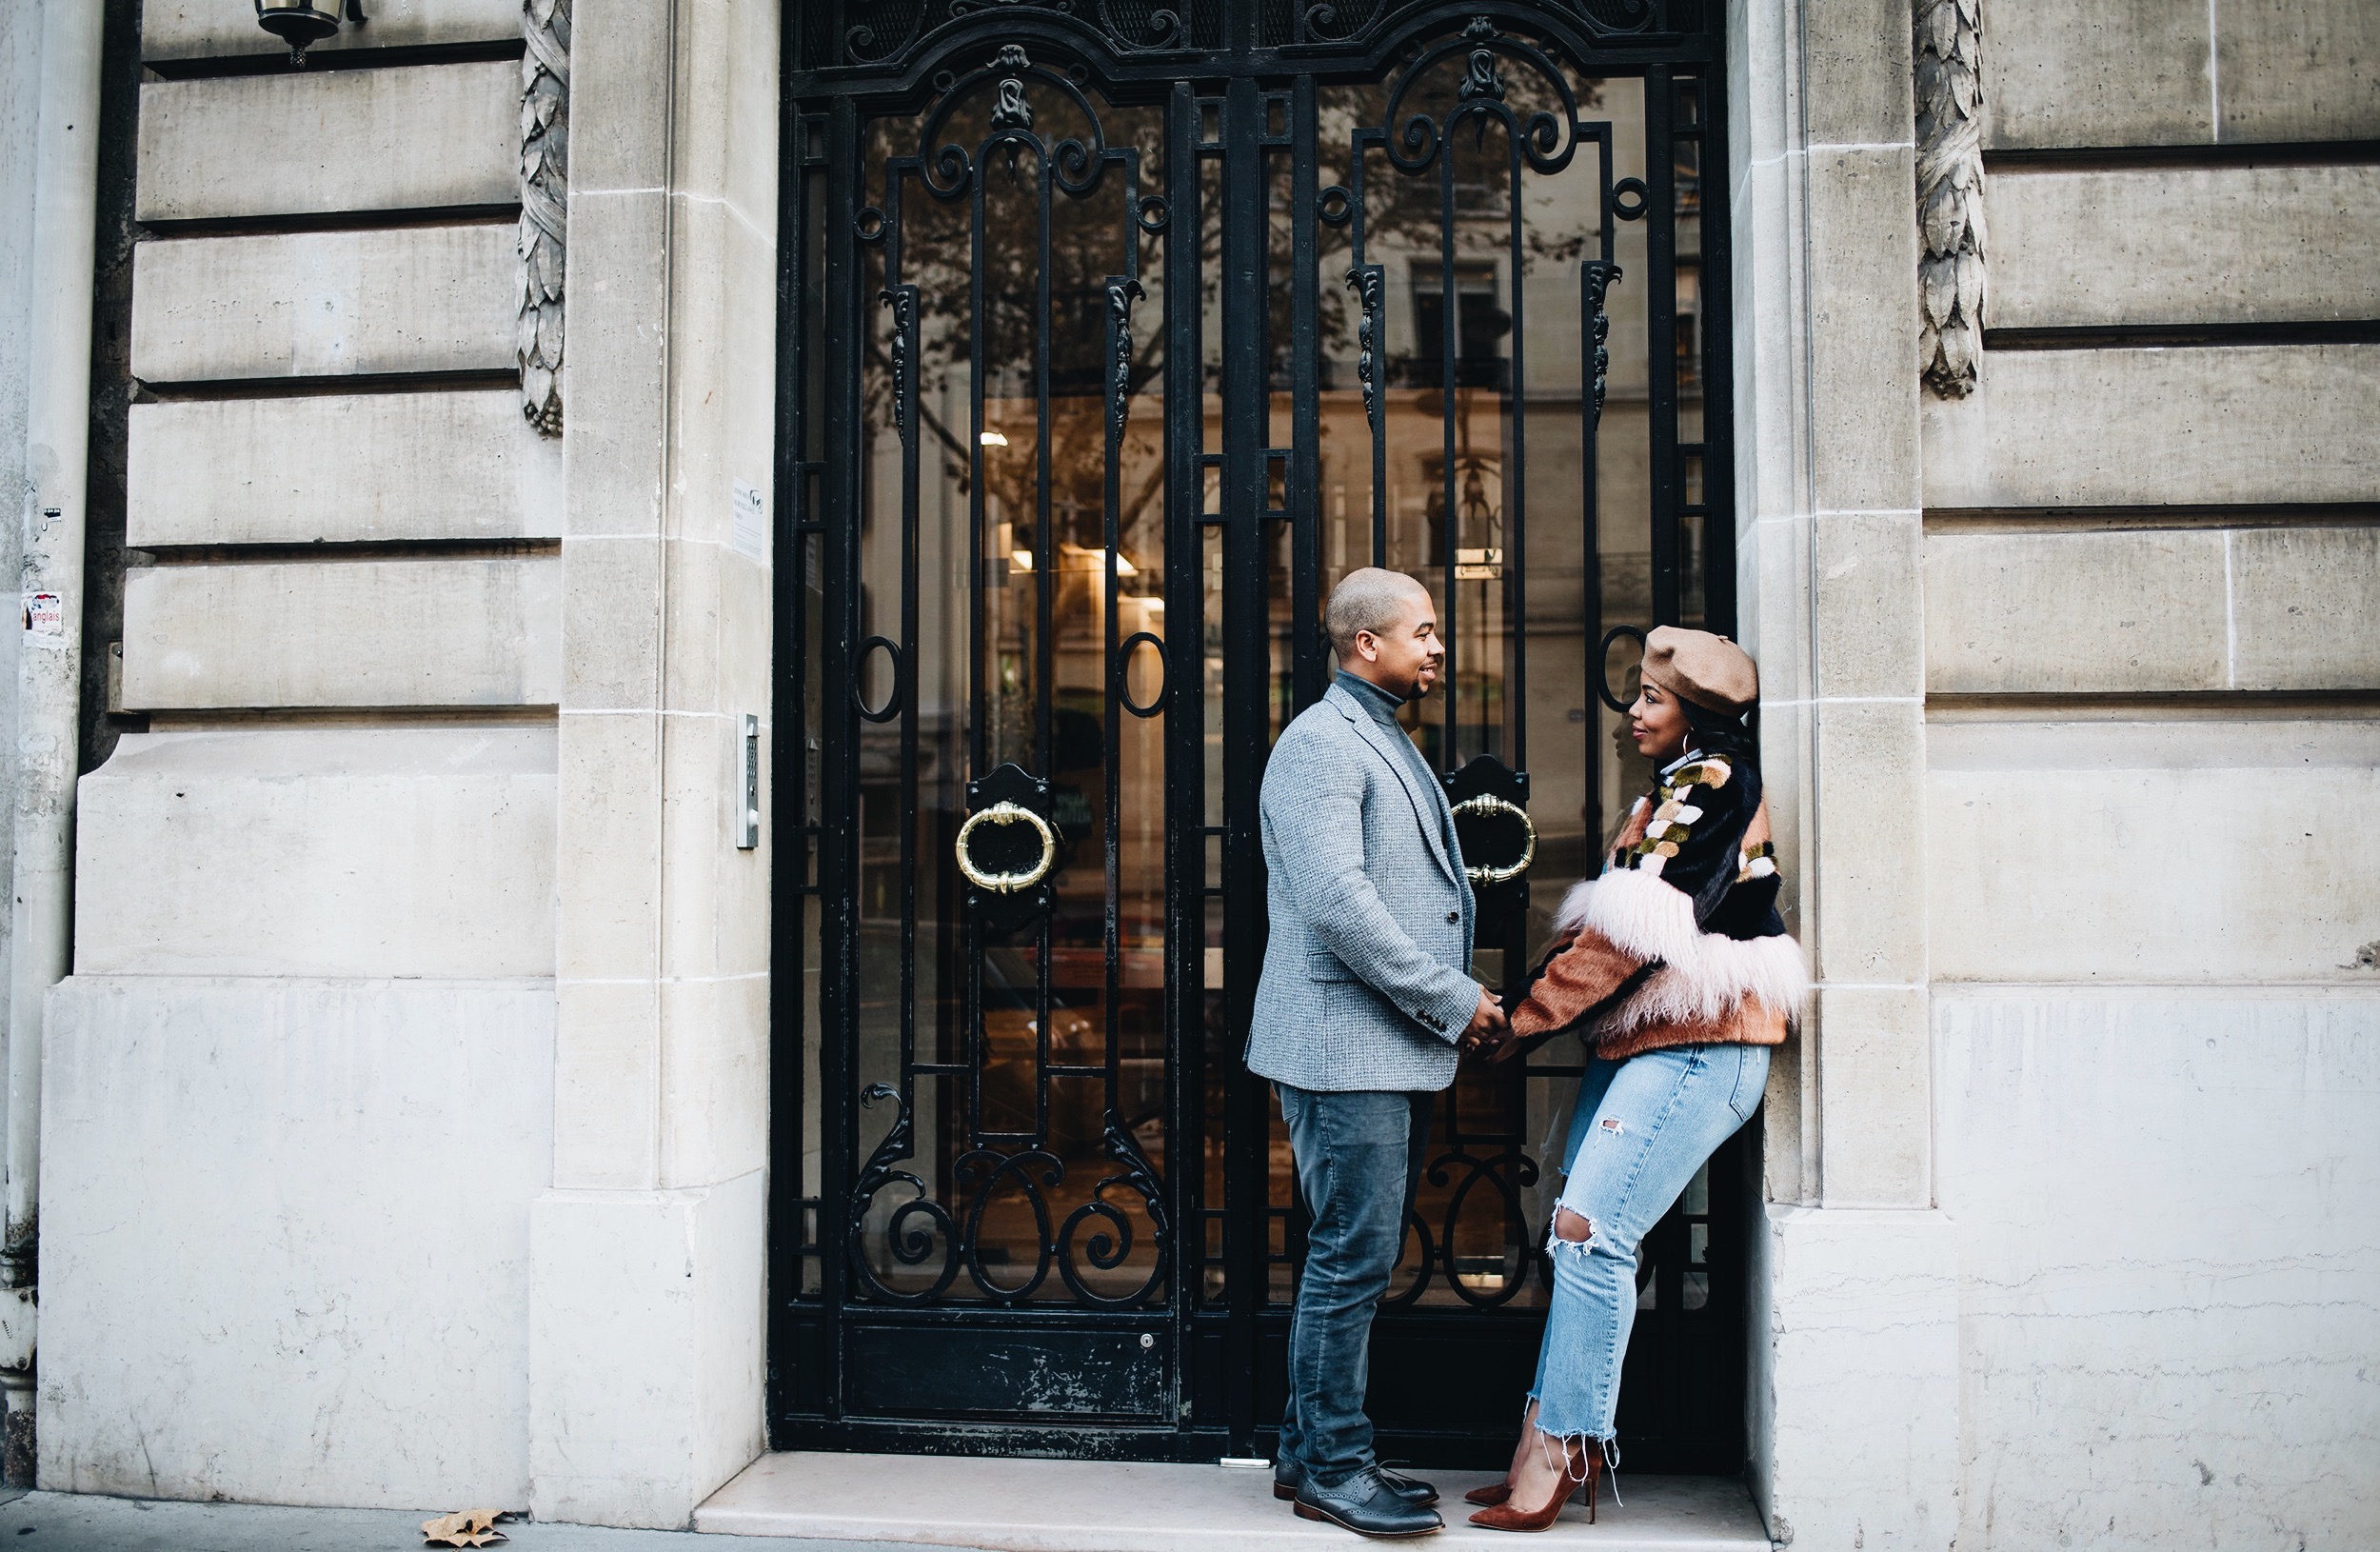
(464, 1527)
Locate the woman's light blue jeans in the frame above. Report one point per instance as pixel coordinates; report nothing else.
(1640, 1129)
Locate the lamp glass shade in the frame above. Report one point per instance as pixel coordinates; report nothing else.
(298, 23)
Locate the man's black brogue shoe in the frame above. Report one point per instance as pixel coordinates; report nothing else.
(1366, 1504)
(1288, 1474)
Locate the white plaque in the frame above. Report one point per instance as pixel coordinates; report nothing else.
(747, 529)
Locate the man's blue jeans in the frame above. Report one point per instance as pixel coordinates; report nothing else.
(1638, 1132)
(1359, 1159)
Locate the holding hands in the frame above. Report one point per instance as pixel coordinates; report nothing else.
(1488, 1026)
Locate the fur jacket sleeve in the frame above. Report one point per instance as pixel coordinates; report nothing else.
(1679, 942)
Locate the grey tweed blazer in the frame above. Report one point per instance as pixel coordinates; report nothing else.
(1366, 981)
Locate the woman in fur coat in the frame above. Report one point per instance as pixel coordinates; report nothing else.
(1676, 969)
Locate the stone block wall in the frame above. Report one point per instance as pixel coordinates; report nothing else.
(305, 1058)
(414, 948)
(2151, 678)
(438, 797)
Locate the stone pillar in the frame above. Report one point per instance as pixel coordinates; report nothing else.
(648, 1310)
(1855, 1405)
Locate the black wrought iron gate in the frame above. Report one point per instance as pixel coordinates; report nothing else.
(1110, 336)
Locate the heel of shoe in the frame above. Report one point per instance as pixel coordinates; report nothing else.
(1307, 1511)
(1283, 1491)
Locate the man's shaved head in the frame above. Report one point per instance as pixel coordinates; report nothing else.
(1369, 599)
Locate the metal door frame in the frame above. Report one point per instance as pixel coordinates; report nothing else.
(1220, 89)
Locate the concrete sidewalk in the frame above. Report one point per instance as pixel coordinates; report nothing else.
(72, 1523)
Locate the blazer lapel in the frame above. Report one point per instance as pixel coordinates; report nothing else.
(1425, 810)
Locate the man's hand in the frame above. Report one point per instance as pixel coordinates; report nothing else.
(1488, 1026)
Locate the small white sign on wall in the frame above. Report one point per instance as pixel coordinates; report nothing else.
(45, 619)
(748, 528)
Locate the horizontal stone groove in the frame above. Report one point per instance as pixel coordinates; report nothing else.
(271, 226)
(2150, 158)
(2066, 706)
(338, 59)
(361, 550)
(394, 717)
(294, 388)
(2112, 519)
(2145, 336)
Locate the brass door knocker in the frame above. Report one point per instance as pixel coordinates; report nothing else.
(1487, 805)
(1011, 813)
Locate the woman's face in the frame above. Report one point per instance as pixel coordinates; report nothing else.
(1657, 723)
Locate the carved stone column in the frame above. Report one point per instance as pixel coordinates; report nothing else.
(1947, 69)
(544, 205)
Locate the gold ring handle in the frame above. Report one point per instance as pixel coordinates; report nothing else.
(1488, 803)
(1017, 813)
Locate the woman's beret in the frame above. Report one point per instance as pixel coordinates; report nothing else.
(1695, 665)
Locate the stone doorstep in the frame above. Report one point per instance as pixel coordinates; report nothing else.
(1022, 1505)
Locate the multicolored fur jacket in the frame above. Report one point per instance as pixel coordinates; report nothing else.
(1679, 942)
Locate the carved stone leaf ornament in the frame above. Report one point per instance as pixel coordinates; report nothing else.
(1951, 291)
(544, 206)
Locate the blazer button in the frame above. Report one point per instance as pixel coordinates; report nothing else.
(1454, 916)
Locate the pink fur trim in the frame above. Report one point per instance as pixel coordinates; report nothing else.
(1716, 981)
(1643, 916)
(1704, 975)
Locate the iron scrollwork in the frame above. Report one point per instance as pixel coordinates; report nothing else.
(1012, 111)
(1545, 141)
(887, 31)
(1506, 1174)
(1603, 661)
(1481, 78)
(1112, 1244)
(910, 1241)
(1368, 281)
(1122, 290)
(1597, 275)
(903, 302)
(919, 1227)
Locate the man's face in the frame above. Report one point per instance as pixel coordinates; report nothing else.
(1406, 658)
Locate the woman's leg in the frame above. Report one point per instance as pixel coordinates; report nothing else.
(1663, 1115)
(1593, 1085)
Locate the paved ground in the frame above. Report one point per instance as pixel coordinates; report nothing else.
(66, 1523)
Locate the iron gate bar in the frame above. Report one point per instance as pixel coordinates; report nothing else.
(839, 765)
(1302, 493)
(1246, 412)
(1661, 171)
(789, 1210)
(1185, 717)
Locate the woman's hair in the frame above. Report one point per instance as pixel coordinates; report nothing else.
(1727, 734)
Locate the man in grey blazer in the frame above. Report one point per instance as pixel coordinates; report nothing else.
(1365, 996)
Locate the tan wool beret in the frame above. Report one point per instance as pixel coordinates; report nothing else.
(1711, 671)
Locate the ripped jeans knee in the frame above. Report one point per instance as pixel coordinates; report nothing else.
(1570, 1229)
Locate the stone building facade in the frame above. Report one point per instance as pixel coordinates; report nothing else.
(394, 1108)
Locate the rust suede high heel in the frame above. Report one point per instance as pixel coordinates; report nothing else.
(1494, 1492)
(1504, 1516)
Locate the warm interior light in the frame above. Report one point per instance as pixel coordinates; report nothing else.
(1021, 560)
(1124, 567)
(994, 439)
